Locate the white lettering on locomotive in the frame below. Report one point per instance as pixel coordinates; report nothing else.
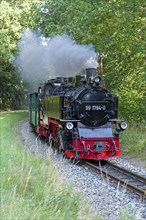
(88, 107)
(95, 107)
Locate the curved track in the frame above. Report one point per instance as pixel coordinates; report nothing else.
(131, 180)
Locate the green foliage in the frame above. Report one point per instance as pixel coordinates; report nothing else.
(115, 28)
(13, 93)
(133, 141)
(15, 16)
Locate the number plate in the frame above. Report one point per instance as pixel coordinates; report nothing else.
(95, 107)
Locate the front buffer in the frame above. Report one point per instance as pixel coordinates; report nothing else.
(94, 148)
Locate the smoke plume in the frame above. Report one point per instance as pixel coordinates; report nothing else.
(40, 58)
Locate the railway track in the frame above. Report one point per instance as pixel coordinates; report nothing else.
(123, 176)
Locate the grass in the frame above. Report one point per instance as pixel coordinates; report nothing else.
(133, 141)
(30, 189)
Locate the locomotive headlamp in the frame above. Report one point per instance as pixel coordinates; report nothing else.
(97, 79)
(69, 125)
(123, 125)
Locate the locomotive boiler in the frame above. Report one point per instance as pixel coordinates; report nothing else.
(78, 115)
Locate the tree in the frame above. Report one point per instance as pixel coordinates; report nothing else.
(115, 28)
(15, 16)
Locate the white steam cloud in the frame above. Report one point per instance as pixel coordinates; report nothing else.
(41, 58)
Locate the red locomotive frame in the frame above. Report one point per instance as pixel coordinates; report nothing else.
(82, 148)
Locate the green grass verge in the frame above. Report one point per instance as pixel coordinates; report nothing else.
(133, 141)
(30, 189)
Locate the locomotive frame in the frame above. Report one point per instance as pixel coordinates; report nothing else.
(79, 116)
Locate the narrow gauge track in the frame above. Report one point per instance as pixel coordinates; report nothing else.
(130, 179)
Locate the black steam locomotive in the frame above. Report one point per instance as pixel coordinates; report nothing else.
(78, 115)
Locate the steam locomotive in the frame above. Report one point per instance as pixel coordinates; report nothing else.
(78, 115)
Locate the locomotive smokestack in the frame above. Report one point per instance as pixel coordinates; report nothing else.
(90, 75)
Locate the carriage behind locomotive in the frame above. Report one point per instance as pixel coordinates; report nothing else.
(78, 115)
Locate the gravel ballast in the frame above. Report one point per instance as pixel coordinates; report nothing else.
(103, 195)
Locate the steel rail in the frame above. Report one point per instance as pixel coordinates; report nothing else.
(140, 189)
